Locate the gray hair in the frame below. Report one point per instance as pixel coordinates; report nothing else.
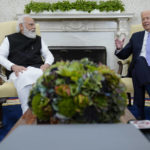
(21, 21)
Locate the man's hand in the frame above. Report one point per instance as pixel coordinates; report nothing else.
(17, 69)
(119, 43)
(44, 67)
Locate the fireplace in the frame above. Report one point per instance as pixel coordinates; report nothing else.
(96, 54)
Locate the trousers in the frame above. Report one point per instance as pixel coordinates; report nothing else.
(141, 82)
(23, 95)
(23, 84)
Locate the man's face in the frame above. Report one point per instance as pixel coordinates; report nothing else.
(146, 20)
(28, 27)
(29, 23)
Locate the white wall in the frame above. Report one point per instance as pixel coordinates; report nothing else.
(9, 8)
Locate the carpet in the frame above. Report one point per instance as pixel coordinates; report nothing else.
(11, 113)
(147, 101)
(133, 108)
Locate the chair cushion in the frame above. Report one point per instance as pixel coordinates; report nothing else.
(128, 83)
(8, 90)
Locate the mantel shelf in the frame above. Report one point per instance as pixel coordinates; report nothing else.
(83, 15)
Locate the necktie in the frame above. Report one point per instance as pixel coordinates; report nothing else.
(148, 49)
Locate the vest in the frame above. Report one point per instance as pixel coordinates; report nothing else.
(24, 51)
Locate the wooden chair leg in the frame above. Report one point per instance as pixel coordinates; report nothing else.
(2, 100)
(129, 99)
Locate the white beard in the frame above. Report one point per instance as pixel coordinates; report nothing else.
(29, 33)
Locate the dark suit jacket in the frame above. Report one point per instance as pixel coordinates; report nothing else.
(133, 47)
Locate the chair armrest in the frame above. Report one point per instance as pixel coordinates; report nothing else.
(120, 68)
(2, 70)
(123, 66)
(3, 78)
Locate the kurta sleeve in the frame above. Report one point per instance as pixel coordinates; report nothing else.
(4, 52)
(46, 54)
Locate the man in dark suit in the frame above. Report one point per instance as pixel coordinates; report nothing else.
(139, 69)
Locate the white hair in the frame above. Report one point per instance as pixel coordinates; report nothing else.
(21, 21)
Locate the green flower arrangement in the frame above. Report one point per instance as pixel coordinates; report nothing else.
(79, 5)
(78, 92)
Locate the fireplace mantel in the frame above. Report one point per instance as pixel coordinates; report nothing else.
(83, 15)
(84, 29)
(120, 18)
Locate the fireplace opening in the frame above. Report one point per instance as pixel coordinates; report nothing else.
(96, 54)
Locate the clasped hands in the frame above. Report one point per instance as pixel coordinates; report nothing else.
(17, 69)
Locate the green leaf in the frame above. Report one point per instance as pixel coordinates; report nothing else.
(79, 5)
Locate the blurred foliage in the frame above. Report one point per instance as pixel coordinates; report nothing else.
(79, 5)
(78, 92)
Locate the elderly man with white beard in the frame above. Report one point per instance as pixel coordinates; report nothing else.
(21, 54)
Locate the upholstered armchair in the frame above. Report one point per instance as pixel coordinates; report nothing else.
(124, 64)
(7, 89)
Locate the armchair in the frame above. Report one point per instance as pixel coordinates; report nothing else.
(7, 89)
(124, 64)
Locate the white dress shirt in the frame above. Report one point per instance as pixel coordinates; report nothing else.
(143, 50)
